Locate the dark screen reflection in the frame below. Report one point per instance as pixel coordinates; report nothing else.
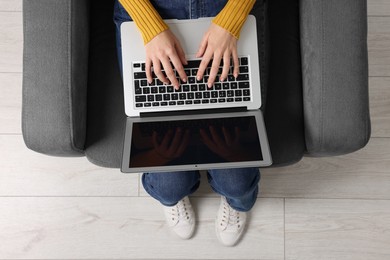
(199, 141)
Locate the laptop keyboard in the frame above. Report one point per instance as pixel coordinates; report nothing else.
(193, 92)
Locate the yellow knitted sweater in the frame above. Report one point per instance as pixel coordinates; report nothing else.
(232, 17)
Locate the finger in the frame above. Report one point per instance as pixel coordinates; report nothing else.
(204, 64)
(176, 141)
(179, 68)
(236, 64)
(180, 52)
(170, 73)
(148, 68)
(214, 70)
(226, 66)
(203, 46)
(158, 72)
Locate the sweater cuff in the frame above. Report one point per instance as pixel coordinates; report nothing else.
(233, 15)
(146, 18)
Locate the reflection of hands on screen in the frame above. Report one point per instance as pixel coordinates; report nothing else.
(172, 144)
(224, 142)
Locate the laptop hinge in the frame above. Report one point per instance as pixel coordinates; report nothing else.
(194, 112)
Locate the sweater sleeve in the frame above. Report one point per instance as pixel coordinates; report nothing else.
(233, 15)
(145, 16)
(149, 22)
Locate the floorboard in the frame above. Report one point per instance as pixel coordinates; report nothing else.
(128, 228)
(337, 229)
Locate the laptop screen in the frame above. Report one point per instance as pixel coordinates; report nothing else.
(194, 142)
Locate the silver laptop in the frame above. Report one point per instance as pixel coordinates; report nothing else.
(195, 127)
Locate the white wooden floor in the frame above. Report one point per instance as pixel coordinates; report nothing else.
(320, 208)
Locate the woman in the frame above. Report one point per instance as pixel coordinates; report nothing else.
(238, 187)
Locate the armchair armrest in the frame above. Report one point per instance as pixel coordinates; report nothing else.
(335, 75)
(55, 66)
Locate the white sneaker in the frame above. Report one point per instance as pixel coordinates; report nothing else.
(181, 218)
(230, 224)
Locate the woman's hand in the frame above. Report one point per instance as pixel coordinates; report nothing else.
(164, 49)
(217, 44)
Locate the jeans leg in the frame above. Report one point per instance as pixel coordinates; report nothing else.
(170, 187)
(239, 186)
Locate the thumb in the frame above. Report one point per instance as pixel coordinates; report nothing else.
(203, 46)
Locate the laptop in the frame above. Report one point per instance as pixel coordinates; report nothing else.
(193, 128)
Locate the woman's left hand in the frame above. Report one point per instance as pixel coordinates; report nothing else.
(217, 44)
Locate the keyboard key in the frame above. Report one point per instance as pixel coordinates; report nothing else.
(147, 104)
(139, 99)
(188, 102)
(162, 89)
(242, 77)
(205, 101)
(206, 94)
(202, 87)
(231, 78)
(193, 64)
(221, 100)
(222, 93)
(136, 65)
(191, 80)
(164, 104)
(246, 92)
(230, 100)
(190, 95)
(213, 100)
(188, 72)
(244, 61)
(214, 94)
(154, 90)
(247, 99)
(244, 84)
(198, 95)
(150, 98)
(138, 91)
(136, 83)
(225, 85)
(175, 96)
(167, 97)
(145, 90)
(194, 88)
(186, 88)
(158, 97)
(197, 101)
(180, 103)
(233, 85)
(170, 89)
(183, 96)
(144, 83)
(238, 99)
(244, 69)
(172, 103)
(230, 93)
(238, 93)
(139, 105)
(156, 104)
(139, 75)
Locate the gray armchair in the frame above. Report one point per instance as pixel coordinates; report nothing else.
(72, 89)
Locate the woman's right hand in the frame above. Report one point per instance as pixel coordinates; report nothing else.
(164, 49)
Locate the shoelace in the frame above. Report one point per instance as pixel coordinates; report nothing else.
(180, 211)
(230, 216)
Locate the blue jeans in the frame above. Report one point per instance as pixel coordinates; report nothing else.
(239, 186)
